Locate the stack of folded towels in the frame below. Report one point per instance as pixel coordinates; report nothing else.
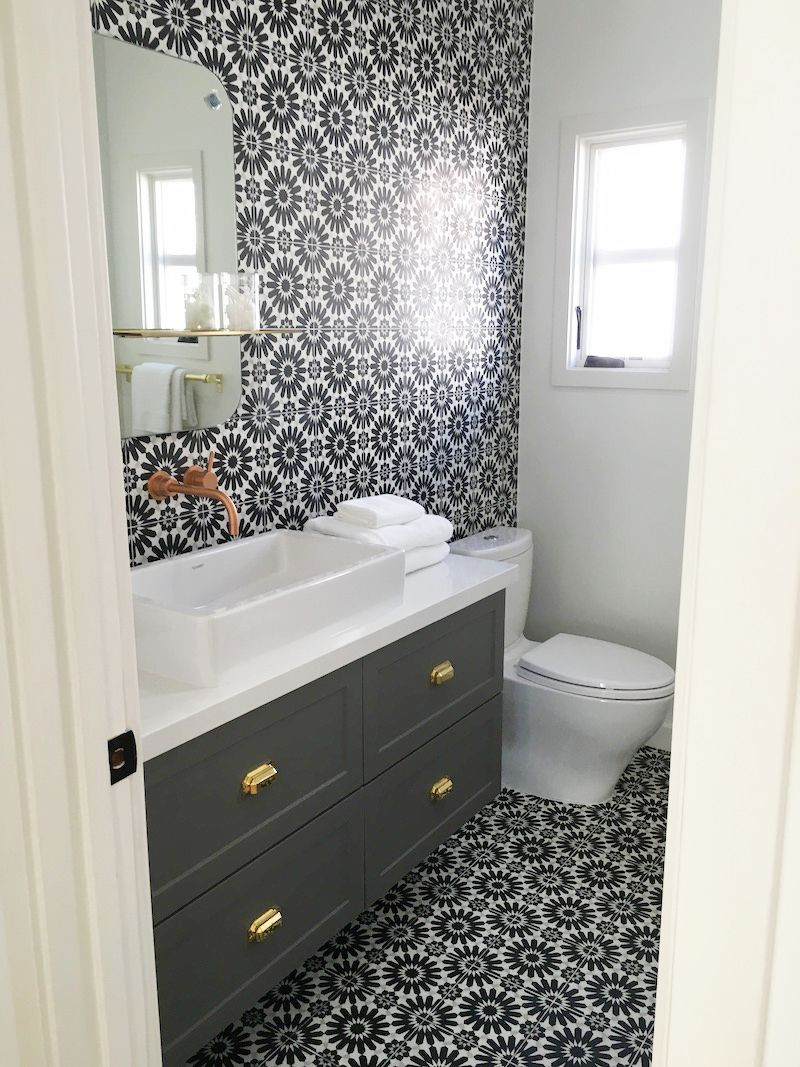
(393, 521)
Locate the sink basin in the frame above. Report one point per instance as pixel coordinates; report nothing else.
(199, 615)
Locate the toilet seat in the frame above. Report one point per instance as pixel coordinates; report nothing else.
(598, 669)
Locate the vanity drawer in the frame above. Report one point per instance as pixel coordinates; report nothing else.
(202, 826)
(404, 822)
(208, 971)
(404, 708)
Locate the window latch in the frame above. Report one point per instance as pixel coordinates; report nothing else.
(578, 319)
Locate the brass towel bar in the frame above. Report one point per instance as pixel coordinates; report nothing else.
(207, 379)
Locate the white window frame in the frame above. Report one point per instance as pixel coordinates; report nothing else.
(689, 119)
(131, 349)
(152, 259)
(147, 174)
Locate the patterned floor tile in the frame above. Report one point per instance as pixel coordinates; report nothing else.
(529, 939)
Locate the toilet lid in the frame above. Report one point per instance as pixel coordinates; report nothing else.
(599, 665)
(498, 542)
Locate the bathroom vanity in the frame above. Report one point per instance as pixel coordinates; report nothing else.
(277, 811)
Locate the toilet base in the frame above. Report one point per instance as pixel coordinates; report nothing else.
(662, 738)
(566, 746)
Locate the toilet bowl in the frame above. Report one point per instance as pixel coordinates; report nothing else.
(575, 709)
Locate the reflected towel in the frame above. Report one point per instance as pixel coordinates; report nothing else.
(151, 398)
(124, 405)
(183, 413)
(417, 558)
(421, 533)
(375, 512)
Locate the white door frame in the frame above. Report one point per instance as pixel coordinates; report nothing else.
(727, 991)
(76, 960)
(77, 978)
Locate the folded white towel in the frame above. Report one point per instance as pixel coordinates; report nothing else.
(377, 511)
(151, 396)
(417, 558)
(421, 533)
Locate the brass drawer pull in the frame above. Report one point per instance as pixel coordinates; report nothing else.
(441, 788)
(258, 778)
(443, 672)
(264, 925)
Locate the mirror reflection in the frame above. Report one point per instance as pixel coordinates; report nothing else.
(166, 143)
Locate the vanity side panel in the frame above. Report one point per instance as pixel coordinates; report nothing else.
(209, 972)
(403, 709)
(201, 826)
(403, 822)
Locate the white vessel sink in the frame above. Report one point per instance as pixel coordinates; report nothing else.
(201, 614)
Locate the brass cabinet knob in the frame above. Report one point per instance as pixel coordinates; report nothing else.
(258, 778)
(264, 925)
(443, 672)
(441, 788)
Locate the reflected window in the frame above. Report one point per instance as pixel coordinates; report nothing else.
(168, 239)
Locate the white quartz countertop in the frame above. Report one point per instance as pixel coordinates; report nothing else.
(172, 714)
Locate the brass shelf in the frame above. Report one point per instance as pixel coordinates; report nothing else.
(199, 333)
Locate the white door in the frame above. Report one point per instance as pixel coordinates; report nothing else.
(77, 982)
(725, 982)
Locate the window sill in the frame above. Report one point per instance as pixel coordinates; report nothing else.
(676, 379)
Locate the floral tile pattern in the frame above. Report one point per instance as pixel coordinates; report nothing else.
(528, 939)
(380, 154)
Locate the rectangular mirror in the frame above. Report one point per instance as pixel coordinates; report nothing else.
(166, 145)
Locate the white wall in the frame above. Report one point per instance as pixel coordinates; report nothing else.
(603, 472)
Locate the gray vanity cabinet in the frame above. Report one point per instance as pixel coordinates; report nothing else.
(209, 967)
(264, 838)
(404, 822)
(201, 825)
(403, 705)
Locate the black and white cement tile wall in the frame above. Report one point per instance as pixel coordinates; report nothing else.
(381, 154)
(529, 939)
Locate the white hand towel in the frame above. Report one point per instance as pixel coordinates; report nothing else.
(177, 399)
(377, 511)
(124, 404)
(192, 420)
(151, 395)
(421, 533)
(417, 558)
(183, 413)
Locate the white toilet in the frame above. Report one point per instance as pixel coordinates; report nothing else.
(575, 709)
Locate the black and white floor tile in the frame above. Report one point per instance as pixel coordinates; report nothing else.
(528, 939)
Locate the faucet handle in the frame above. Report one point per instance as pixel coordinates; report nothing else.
(202, 477)
(160, 485)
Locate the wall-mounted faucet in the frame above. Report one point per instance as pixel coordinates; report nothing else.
(198, 481)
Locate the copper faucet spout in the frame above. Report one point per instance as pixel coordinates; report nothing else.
(196, 482)
(225, 500)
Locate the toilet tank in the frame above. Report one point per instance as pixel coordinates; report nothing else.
(510, 544)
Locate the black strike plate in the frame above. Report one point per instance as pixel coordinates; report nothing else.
(122, 756)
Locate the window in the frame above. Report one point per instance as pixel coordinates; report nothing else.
(168, 240)
(625, 290)
(629, 225)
